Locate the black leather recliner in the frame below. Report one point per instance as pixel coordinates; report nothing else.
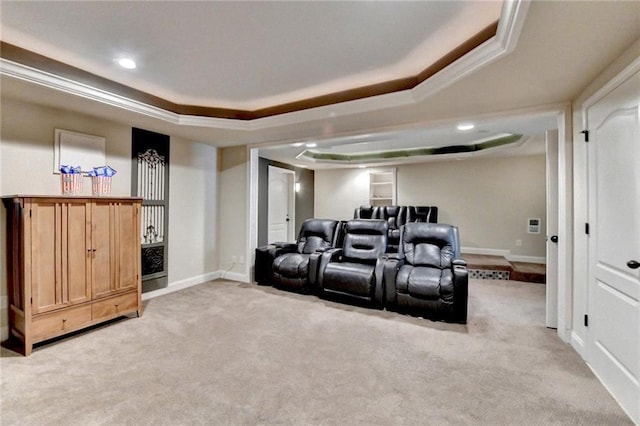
(287, 264)
(428, 276)
(423, 214)
(356, 269)
(396, 216)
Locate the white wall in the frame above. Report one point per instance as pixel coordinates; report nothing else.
(489, 199)
(193, 216)
(338, 192)
(233, 168)
(26, 163)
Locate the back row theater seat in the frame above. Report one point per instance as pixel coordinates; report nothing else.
(396, 216)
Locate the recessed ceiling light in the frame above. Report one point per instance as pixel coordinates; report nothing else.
(127, 63)
(465, 126)
(311, 145)
(297, 144)
(362, 166)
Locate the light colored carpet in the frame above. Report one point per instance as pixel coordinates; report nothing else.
(235, 354)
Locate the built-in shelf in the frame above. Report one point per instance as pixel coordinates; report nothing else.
(382, 187)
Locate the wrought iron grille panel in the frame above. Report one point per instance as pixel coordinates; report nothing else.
(152, 260)
(150, 158)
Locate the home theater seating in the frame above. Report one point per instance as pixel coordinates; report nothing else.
(396, 216)
(287, 264)
(425, 277)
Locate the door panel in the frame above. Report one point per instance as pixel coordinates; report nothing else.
(78, 254)
(77, 265)
(551, 287)
(127, 241)
(614, 288)
(46, 284)
(101, 242)
(280, 214)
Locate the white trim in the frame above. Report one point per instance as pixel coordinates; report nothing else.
(4, 333)
(252, 214)
(511, 23)
(235, 276)
(527, 259)
(4, 302)
(620, 78)
(565, 230)
(485, 251)
(626, 411)
(182, 284)
(509, 28)
(577, 343)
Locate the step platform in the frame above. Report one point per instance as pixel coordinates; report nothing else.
(482, 266)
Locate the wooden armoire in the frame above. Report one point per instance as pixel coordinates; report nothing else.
(72, 262)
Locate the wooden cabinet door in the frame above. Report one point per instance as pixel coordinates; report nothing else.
(103, 248)
(116, 247)
(76, 249)
(127, 237)
(59, 254)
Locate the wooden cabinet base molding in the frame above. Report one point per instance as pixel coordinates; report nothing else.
(73, 262)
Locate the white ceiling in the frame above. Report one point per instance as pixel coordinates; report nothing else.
(258, 53)
(246, 55)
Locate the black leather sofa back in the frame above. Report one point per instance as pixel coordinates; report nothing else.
(396, 216)
(423, 214)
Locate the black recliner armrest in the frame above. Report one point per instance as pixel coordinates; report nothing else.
(265, 255)
(459, 262)
(314, 264)
(392, 263)
(323, 260)
(460, 290)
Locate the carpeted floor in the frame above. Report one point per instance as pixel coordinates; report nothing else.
(238, 354)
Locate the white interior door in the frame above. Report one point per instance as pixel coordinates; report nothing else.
(614, 242)
(552, 229)
(281, 218)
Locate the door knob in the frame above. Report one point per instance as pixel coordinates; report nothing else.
(633, 264)
(554, 238)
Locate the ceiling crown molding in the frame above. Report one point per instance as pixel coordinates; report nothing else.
(507, 34)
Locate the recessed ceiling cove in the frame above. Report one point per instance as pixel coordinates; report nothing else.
(329, 156)
(247, 55)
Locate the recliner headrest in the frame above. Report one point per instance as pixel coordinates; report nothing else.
(429, 244)
(365, 240)
(316, 233)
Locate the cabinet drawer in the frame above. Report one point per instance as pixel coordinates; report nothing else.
(115, 306)
(57, 323)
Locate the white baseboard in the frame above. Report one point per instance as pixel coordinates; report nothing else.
(486, 251)
(577, 343)
(235, 276)
(527, 259)
(179, 285)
